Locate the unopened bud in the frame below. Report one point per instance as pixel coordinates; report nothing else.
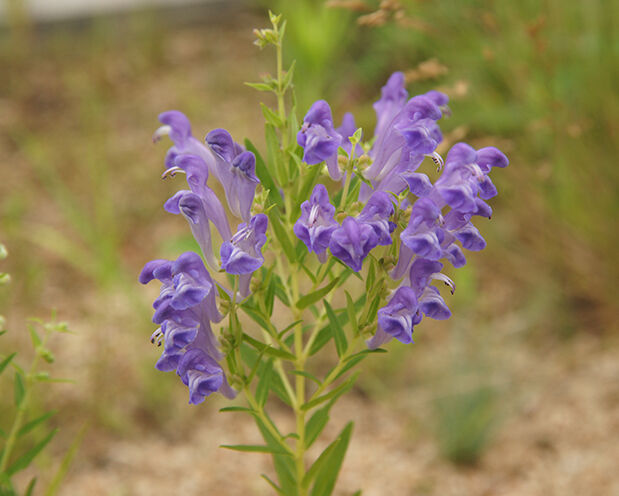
(45, 354)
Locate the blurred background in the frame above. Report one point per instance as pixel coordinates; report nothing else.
(517, 394)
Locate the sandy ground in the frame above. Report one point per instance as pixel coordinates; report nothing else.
(560, 440)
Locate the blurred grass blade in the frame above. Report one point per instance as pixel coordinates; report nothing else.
(60, 474)
(6, 361)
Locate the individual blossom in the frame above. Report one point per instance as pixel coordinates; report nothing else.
(242, 255)
(236, 171)
(319, 139)
(431, 303)
(199, 205)
(393, 98)
(201, 374)
(397, 319)
(316, 223)
(352, 241)
(376, 213)
(177, 126)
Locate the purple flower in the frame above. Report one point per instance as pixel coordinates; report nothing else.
(352, 241)
(199, 206)
(393, 98)
(236, 171)
(319, 139)
(397, 319)
(242, 255)
(400, 148)
(316, 223)
(201, 374)
(178, 127)
(376, 214)
(184, 309)
(422, 273)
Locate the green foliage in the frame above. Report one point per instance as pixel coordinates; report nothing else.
(465, 422)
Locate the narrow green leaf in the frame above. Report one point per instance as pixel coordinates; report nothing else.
(303, 373)
(19, 388)
(274, 156)
(260, 86)
(254, 448)
(341, 344)
(284, 464)
(30, 488)
(273, 485)
(282, 235)
(327, 467)
(352, 313)
(268, 350)
(266, 179)
(6, 361)
(236, 409)
(322, 338)
(313, 297)
(307, 185)
(269, 297)
(36, 340)
(262, 390)
(333, 394)
(280, 291)
(23, 461)
(288, 328)
(289, 75)
(256, 316)
(271, 117)
(316, 424)
(26, 428)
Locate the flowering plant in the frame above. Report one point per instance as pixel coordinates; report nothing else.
(324, 206)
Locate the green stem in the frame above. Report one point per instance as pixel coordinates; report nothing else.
(268, 423)
(21, 410)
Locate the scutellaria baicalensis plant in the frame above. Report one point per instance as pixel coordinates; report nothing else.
(325, 206)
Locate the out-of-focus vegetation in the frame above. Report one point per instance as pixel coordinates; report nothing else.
(537, 79)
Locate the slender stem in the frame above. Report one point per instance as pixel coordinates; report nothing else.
(21, 410)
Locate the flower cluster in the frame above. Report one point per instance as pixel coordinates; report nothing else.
(187, 303)
(439, 225)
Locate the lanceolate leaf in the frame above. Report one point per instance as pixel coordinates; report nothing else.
(338, 333)
(6, 361)
(33, 423)
(313, 297)
(326, 468)
(268, 350)
(262, 390)
(19, 388)
(252, 448)
(23, 461)
(333, 394)
(282, 235)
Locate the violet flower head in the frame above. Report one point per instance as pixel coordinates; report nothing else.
(316, 223)
(236, 171)
(184, 309)
(319, 139)
(352, 241)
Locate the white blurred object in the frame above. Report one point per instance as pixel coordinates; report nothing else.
(58, 10)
